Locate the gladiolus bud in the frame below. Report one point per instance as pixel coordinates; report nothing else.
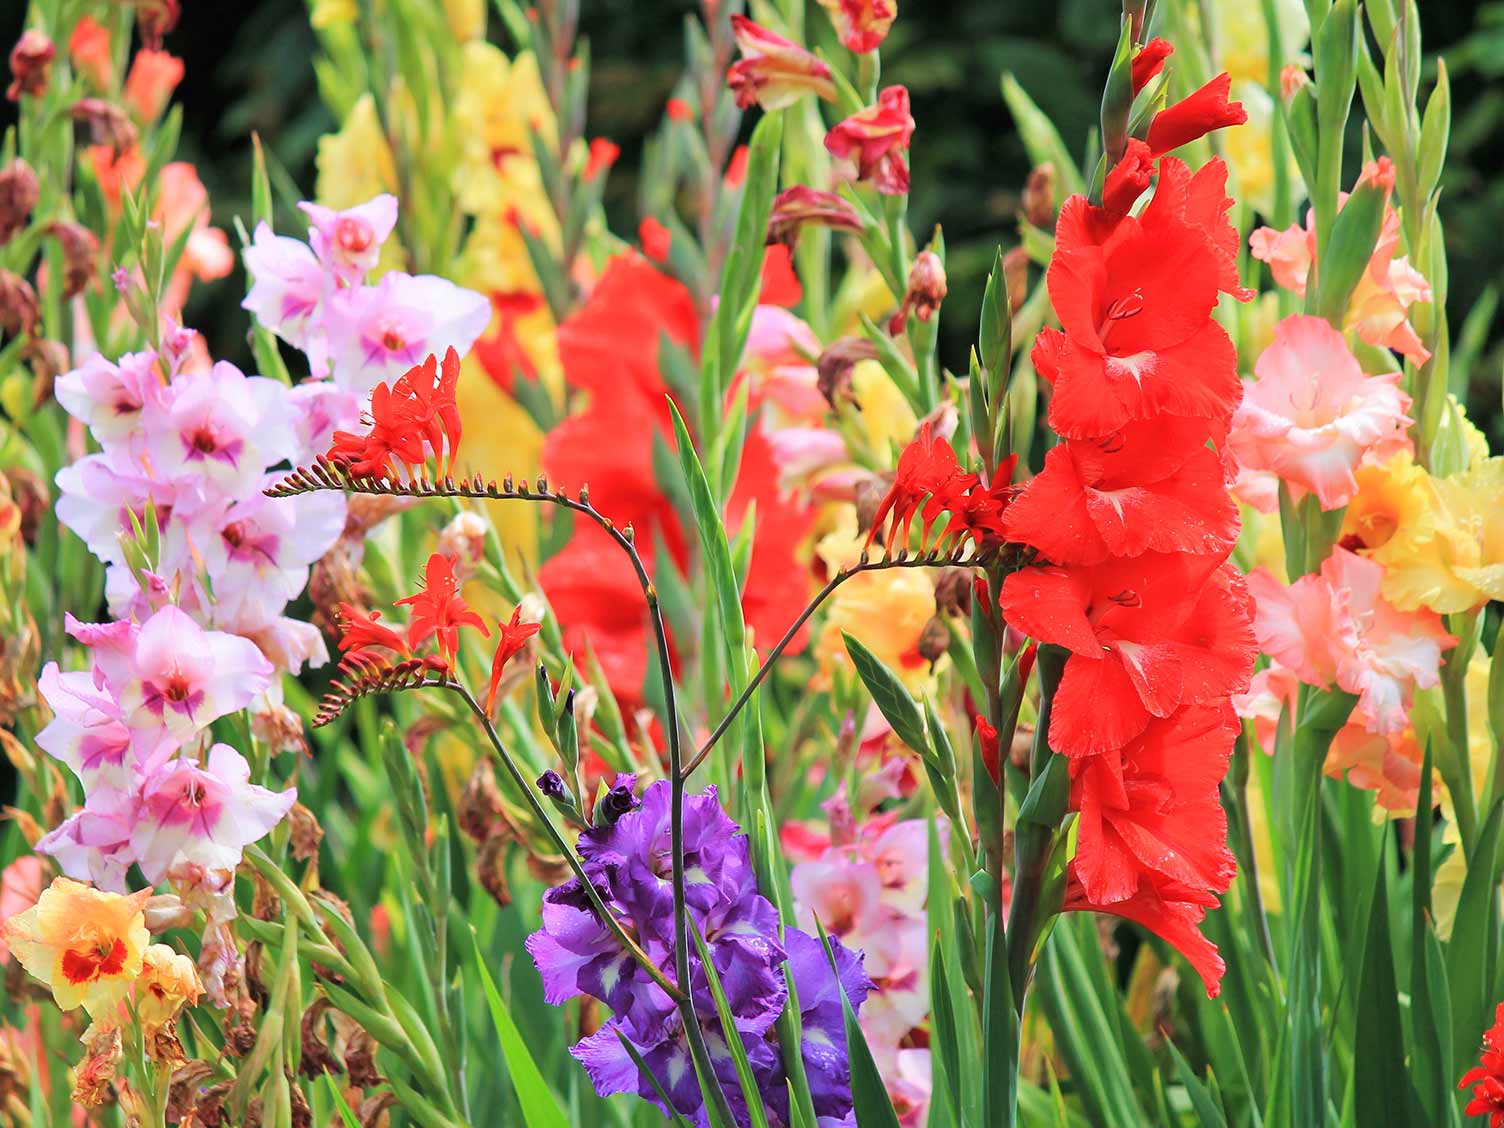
(794, 207)
(30, 65)
(19, 193)
(618, 801)
(1292, 79)
(773, 71)
(1016, 275)
(925, 292)
(1039, 196)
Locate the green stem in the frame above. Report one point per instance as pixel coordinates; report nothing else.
(1248, 861)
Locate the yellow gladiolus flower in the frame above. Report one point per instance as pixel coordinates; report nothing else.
(87, 945)
(1249, 150)
(885, 611)
(1240, 38)
(466, 18)
(500, 105)
(886, 416)
(168, 983)
(1392, 495)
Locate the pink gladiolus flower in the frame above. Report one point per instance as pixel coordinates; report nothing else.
(225, 426)
(876, 139)
(774, 72)
(287, 285)
(377, 333)
(203, 815)
(349, 242)
(110, 398)
(183, 206)
(20, 888)
(1334, 628)
(1312, 414)
(1380, 305)
(88, 731)
(861, 24)
(93, 844)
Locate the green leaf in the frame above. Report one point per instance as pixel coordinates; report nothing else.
(347, 1118)
(1354, 235)
(1208, 1111)
(869, 1096)
(1473, 951)
(890, 695)
(999, 1030)
(1382, 1091)
(1042, 140)
(539, 1106)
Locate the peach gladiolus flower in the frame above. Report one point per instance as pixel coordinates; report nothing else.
(153, 76)
(85, 944)
(89, 50)
(183, 205)
(1335, 628)
(1312, 414)
(20, 886)
(168, 983)
(1380, 304)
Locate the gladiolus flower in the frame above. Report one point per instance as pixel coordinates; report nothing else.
(87, 946)
(774, 72)
(153, 76)
(349, 241)
(169, 982)
(1312, 415)
(656, 239)
(1195, 116)
(1487, 1079)
(439, 609)
(1149, 60)
(876, 139)
(514, 636)
(861, 24)
(602, 155)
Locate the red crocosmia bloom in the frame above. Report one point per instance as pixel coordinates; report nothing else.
(1153, 486)
(1195, 116)
(410, 419)
(602, 155)
(978, 514)
(927, 481)
(360, 632)
(439, 609)
(773, 71)
(1146, 636)
(1487, 1080)
(502, 354)
(780, 285)
(1138, 340)
(514, 636)
(1173, 913)
(876, 139)
(1149, 61)
(656, 239)
(1151, 809)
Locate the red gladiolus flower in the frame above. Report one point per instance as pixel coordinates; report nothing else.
(602, 155)
(502, 354)
(361, 632)
(1196, 116)
(1128, 179)
(987, 745)
(876, 139)
(514, 636)
(774, 72)
(1134, 299)
(861, 24)
(1149, 61)
(780, 285)
(440, 610)
(1153, 486)
(1146, 636)
(1173, 913)
(1487, 1079)
(655, 238)
(410, 419)
(679, 110)
(1150, 810)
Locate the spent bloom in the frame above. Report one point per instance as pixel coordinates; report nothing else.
(774, 72)
(861, 24)
(876, 139)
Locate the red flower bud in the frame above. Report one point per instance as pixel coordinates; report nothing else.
(30, 64)
(861, 24)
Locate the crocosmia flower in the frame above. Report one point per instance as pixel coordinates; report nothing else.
(85, 945)
(876, 139)
(1487, 1079)
(1312, 414)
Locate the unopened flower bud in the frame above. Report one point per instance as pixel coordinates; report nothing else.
(835, 366)
(1039, 196)
(30, 64)
(80, 256)
(800, 205)
(108, 123)
(618, 801)
(18, 305)
(19, 193)
(1292, 79)
(1016, 276)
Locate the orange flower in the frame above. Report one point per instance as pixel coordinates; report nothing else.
(89, 49)
(440, 610)
(85, 944)
(514, 636)
(154, 75)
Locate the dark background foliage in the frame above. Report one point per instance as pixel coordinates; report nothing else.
(253, 72)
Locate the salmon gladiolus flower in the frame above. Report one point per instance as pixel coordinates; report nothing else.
(86, 945)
